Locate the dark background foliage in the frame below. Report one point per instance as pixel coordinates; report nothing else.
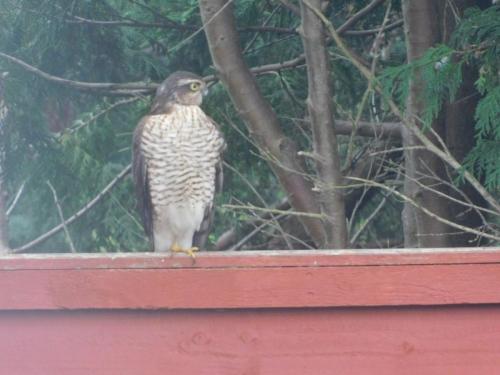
(79, 140)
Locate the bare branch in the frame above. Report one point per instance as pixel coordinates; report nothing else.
(375, 48)
(61, 216)
(254, 38)
(368, 220)
(390, 130)
(16, 199)
(156, 13)
(170, 25)
(274, 211)
(146, 88)
(230, 236)
(126, 23)
(138, 88)
(291, 7)
(357, 16)
(259, 196)
(103, 112)
(444, 154)
(345, 28)
(132, 87)
(466, 202)
(426, 211)
(88, 206)
(321, 112)
(4, 238)
(256, 110)
(250, 235)
(389, 27)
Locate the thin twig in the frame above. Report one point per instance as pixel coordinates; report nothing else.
(61, 216)
(139, 88)
(129, 22)
(89, 205)
(438, 180)
(389, 27)
(275, 211)
(229, 237)
(357, 16)
(361, 199)
(250, 235)
(368, 220)
(202, 28)
(444, 154)
(292, 237)
(259, 196)
(126, 23)
(254, 38)
(425, 210)
(16, 199)
(132, 87)
(364, 128)
(157, 13)
(103, 112)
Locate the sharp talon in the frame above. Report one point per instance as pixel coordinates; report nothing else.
(189, 251)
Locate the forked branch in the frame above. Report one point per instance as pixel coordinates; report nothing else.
(257, 113)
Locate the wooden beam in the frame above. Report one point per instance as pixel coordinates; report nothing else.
(425, 311)
(250, 280)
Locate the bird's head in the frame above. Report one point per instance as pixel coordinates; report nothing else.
(183, 88)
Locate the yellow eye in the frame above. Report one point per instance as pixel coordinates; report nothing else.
(195, 86)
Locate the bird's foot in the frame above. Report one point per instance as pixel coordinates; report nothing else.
(189, 251)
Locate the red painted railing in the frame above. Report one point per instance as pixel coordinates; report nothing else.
(311, 312)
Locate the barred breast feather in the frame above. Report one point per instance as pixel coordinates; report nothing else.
(181, 151)
(181, 156)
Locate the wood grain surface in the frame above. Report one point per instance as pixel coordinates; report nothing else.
(409, 340)
(252, 313)
(248, 281)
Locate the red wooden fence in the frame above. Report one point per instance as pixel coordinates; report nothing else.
(314, 312)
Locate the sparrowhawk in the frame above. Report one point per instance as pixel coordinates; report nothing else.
(177, 166)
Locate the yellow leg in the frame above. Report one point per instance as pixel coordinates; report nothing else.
(189, 251)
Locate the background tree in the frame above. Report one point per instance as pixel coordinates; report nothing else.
(318, 105)
(4, 237)
(428, 24)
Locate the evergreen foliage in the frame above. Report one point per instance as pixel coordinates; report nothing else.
(474, 42)
(80, 140)
(479, 37)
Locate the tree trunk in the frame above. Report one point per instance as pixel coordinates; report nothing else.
(422, 28)
(4, 238)
(262, 122)
(428, 22)
(320, 108)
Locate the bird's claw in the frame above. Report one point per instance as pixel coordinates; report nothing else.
(189, 251)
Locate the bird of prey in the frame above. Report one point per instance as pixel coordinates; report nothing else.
(177, 166)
